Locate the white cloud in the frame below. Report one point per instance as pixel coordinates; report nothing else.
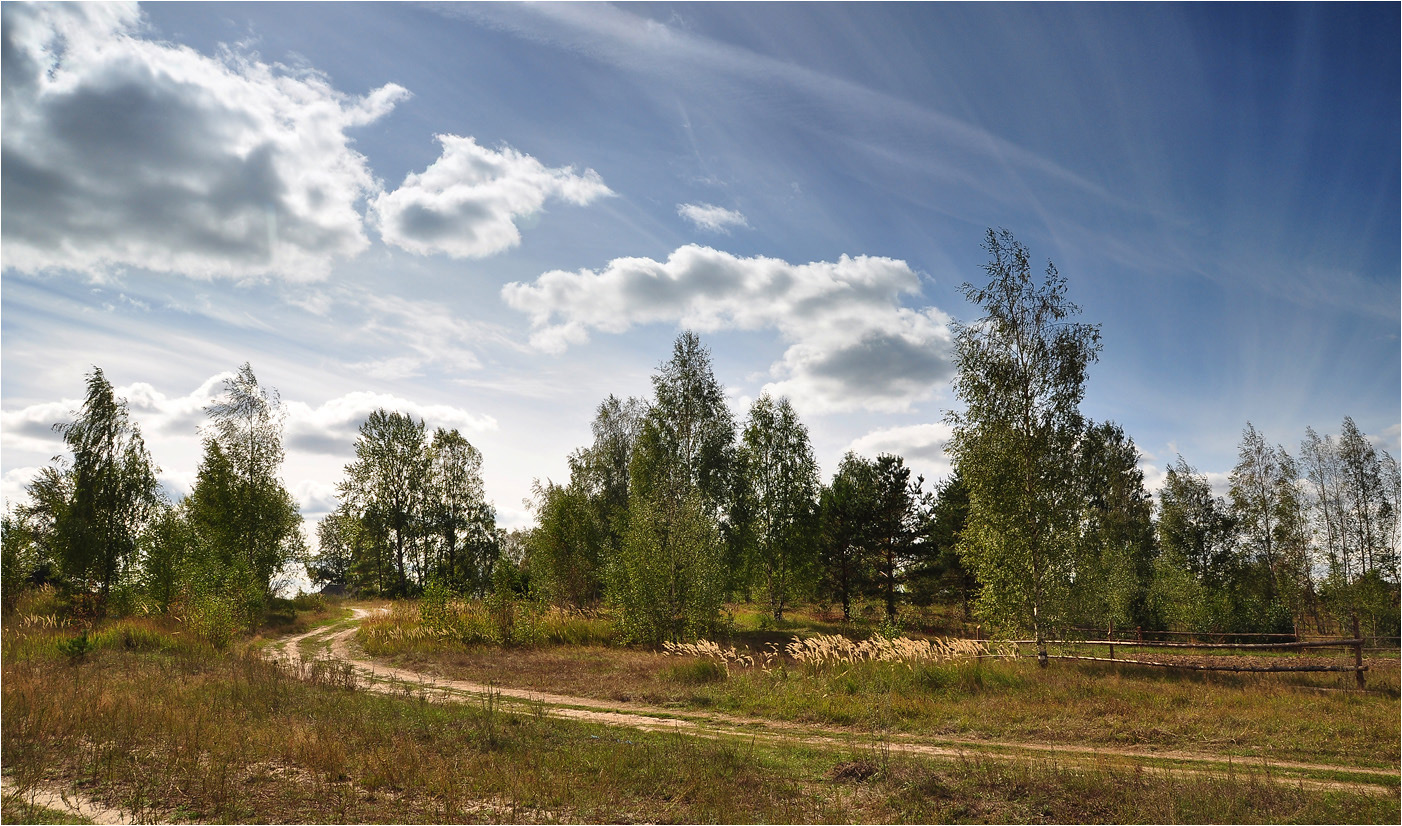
(125, 152)
(466, 203)
(852, 344)
(331, 428)
(328, 429)
(13, 485)
(314, 499)
(921, 445)
(711, 217)
(32, 428)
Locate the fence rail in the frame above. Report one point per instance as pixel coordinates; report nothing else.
(1231, 646)
(1359, 669)
(1355, 643)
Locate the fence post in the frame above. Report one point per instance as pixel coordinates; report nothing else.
(1111, 636)
(1357, 652)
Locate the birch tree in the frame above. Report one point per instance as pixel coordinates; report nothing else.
(1021, 377)
(779, 476)
(113, 493)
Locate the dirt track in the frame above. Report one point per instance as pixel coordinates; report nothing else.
(336, 643)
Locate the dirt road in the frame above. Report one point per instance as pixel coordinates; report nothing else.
(336, 642)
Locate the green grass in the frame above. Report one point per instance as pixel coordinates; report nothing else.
(16, 810)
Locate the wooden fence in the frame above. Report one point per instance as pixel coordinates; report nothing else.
(1356, 644)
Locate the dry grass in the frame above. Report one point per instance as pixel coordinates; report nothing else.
(458, 624)
(1301, 717)
(179, 731)
(831, 650)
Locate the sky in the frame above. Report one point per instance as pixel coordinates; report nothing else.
(493, 216)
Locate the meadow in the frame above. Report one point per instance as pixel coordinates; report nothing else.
(145, 717)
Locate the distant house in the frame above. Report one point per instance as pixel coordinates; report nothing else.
(334, 590)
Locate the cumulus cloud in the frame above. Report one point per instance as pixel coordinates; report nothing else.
(711, 217)
(14, 484)
(119, 151)
(331, 428)
(851, 342)
(32, 428)
(921, 445)
(466, 203)
(314, 499)
(172, 415)
(157, 414)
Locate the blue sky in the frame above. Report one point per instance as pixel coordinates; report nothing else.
(493, 216)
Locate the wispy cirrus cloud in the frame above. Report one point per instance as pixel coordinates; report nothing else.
(851, 342)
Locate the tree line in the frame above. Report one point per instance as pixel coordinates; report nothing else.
(99, 526)
(412, 511)
(1044, 526)
(675, 508)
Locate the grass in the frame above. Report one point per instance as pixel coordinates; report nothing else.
(16, 810)
(181, 731)
(1270, 716)
(153, 721)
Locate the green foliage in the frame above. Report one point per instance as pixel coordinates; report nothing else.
(939, 574)
(460, 525)
(568, 545)
(76, 648)
(340, 543)
(1115, 550)
(1353, 496)
(895, 526)
(113, 490)
(845, 507)
(434, 611)
(18, 559)
(777, 484)
(1021, 378)
(1266, 503)
(1194, 526)
(667, 581)
(169, 547)
(219, 602)
(580, 525)
(669, 576)
(385, 485)
(687, 438)
(240, 509)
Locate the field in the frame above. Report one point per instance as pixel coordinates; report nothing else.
(292, 727)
